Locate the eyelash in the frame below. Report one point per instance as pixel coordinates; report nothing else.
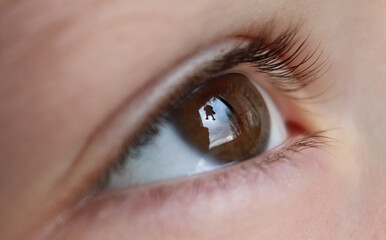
(266, 56)
(218, 179)
(271, 58)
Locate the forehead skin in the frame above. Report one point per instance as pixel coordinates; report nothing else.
(65, 67)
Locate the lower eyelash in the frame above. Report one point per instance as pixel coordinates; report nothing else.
(138, 201)
(316, 140)
(156, 193)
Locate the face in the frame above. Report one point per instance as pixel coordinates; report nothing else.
(200, 119)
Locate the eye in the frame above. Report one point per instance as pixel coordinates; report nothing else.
(225, 120)
(217, 113)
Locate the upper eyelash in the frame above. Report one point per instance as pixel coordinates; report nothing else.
(281, 59)
(289, 78)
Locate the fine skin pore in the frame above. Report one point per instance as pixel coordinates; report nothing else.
(68, 68)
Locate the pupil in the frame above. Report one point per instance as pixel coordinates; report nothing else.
(225, 118)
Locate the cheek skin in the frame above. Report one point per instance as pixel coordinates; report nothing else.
(300, 197)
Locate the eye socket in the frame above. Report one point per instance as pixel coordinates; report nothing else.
(223, 121)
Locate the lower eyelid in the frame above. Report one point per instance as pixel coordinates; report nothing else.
(278, 166)
(193, 204)
(247, 186)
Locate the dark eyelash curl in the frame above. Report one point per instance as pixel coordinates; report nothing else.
(285, 73)
(282, 59)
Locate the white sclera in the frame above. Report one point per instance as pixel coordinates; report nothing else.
(278, 132)
(168, 156)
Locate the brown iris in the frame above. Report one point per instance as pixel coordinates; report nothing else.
(225, 117)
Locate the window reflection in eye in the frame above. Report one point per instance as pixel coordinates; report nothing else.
(241, 127)
(221, 122)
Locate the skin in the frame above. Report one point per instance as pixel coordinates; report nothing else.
(69, 69)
